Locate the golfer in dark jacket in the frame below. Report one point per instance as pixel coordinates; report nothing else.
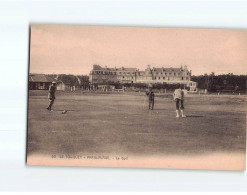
(51, 95)
(150, 95)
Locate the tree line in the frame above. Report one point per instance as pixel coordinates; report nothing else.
(224, 82)
(72, 80)
(159, 86)
(211, 82)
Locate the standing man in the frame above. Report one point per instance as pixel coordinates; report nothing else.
(178, 97)
(150, 95)
(51, 95)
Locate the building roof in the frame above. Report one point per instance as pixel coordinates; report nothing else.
(128, 69)
(162, 69)
(40, 78)
(98, 67)
(167, 69)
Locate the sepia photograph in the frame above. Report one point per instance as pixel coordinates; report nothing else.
(137, 97)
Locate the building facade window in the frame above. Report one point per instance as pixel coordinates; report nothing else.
(165, 74)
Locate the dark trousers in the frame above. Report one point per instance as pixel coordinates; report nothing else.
(51, 102)
(179, 104)
(151, 104)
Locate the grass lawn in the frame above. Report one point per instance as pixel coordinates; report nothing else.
(121, 123)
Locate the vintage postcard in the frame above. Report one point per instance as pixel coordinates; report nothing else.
(101, 96)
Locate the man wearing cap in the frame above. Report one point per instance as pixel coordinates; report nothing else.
(51, 95)
(150, 95)
(178, 96)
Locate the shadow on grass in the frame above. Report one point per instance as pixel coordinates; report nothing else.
(160, 109)
(194, 116)
(64, 109)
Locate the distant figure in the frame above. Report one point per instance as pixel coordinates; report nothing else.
(178, 96)
(150, 95)
(51, 95)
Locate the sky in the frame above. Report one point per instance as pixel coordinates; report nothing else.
(68, 49)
